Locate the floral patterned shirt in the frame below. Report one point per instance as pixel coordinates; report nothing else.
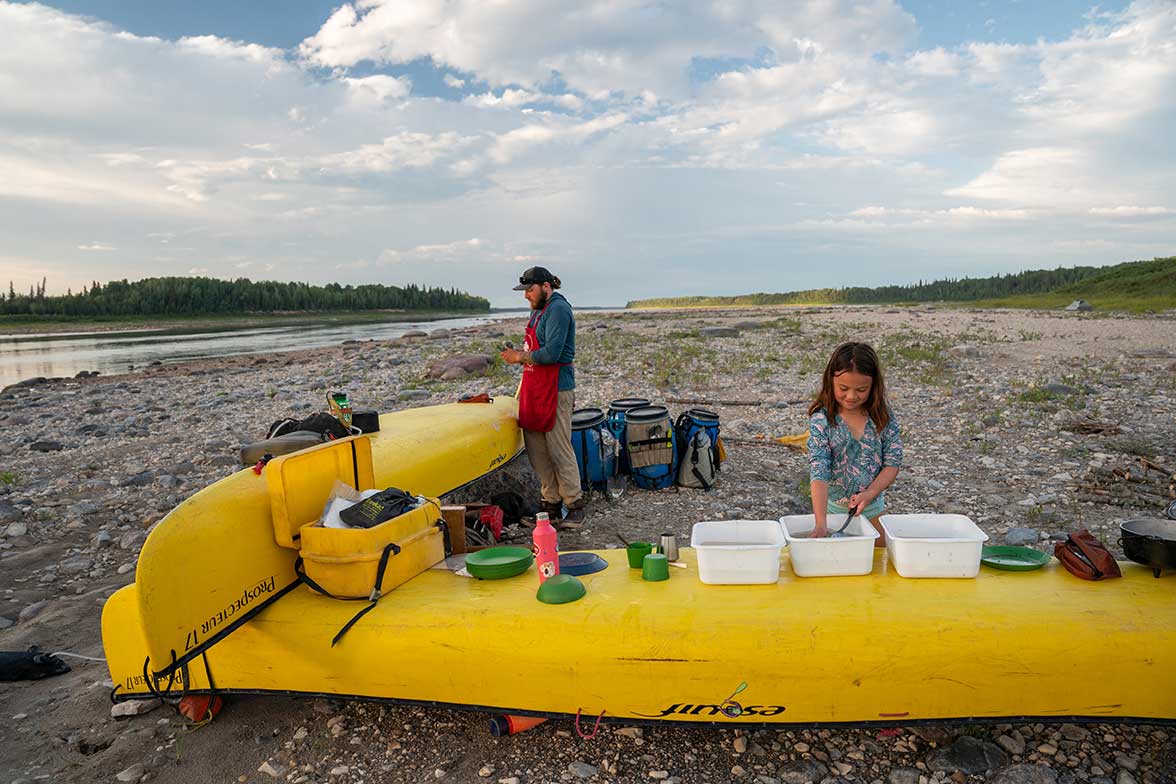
(849, 465)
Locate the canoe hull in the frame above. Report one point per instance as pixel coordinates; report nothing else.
(877, 648)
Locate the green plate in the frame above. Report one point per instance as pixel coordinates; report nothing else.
(561, 589)
(497, 563)
(1013, 559)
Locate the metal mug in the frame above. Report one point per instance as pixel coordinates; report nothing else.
(668, 544)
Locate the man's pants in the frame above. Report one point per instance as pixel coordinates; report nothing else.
(552, 457)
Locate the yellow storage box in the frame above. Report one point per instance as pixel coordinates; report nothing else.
(301, 482)
(346, 562)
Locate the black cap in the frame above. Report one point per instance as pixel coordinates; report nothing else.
(534, 275)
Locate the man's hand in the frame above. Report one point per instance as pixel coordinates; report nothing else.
(511, 357)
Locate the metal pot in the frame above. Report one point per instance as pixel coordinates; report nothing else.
(1150, 541)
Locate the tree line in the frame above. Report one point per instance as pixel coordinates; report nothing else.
(210, 296)
(948, 290)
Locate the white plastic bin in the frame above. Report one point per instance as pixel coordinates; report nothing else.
(933, 545)
(738, 552)
(829, 557)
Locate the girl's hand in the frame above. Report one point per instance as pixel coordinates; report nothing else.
(820, 532)
(860, 501)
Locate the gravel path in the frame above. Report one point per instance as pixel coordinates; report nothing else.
(1008, 417)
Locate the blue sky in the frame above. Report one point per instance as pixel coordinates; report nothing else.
(636, 148)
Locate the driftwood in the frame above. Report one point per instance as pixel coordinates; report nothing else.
(754, 441)
(1091, 427)
(1143, 483)
(687, 401)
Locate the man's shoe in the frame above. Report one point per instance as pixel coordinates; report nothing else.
(575, 516)
(554, 509)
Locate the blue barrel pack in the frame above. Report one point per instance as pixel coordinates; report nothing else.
(616, 425)
(595, 447)
(700, 451)
(649, 440)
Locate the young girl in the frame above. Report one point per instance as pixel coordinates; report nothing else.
(854, 446)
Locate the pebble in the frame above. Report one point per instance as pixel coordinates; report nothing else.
(122, 710)
(583, 770)
(133, 773)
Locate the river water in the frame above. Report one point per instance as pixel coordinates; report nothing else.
(110, 353)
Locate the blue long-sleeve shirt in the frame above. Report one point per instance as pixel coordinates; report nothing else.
(556, 331)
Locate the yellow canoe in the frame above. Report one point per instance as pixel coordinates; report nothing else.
(876, 648)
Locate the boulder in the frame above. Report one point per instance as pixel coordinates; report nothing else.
(460, 365)
(968, 755)
(719, 332)
(1024, 774)
(1080, 305)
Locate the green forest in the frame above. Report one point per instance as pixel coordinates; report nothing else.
(1146, 283)
(211, 296)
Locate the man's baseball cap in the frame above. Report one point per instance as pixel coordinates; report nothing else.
(534, 275)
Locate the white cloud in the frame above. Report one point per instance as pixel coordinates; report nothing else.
(1125, 211)
(454, 82)
(97, 246)
(439, 251)
(598, 46)
(378, 88)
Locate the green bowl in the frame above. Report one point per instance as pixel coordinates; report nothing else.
(561, 589)
(497, 563)
(1009, 558)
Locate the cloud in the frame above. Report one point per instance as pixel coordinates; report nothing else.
(436, 250)
(596, 47)
(378, 88)
(772, 142)
(1131, 212)
(97, 246)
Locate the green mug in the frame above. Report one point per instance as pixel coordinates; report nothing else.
(655, 567)
(637, 552)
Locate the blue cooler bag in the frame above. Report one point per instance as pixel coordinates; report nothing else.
(649, 440)
(595, 447)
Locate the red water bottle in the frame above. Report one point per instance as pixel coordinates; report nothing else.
(545, 547)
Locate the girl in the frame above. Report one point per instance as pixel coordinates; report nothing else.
(854, 446)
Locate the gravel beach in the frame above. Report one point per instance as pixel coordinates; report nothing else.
(1024, 421)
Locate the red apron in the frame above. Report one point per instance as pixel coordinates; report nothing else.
(539, 393)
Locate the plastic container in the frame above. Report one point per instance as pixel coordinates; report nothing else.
(738, 552)
(829, 557)
(546, 548)
(933, 545)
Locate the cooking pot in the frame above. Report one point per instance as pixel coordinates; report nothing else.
(1150, 541)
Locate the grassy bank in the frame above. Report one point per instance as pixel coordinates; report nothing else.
(1138, 286)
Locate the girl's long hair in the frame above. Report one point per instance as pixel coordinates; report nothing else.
(858, 357)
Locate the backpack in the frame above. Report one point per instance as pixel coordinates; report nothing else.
(319, 422)
(700, 448)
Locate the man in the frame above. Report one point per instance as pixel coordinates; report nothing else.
(547, 395)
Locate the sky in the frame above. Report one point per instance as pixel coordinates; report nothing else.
(636, 148)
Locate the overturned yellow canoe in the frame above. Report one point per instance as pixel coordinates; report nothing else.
(876, 648)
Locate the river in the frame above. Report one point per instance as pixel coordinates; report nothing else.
(109, 353)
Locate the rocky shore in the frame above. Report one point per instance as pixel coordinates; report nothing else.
(1021, 420)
